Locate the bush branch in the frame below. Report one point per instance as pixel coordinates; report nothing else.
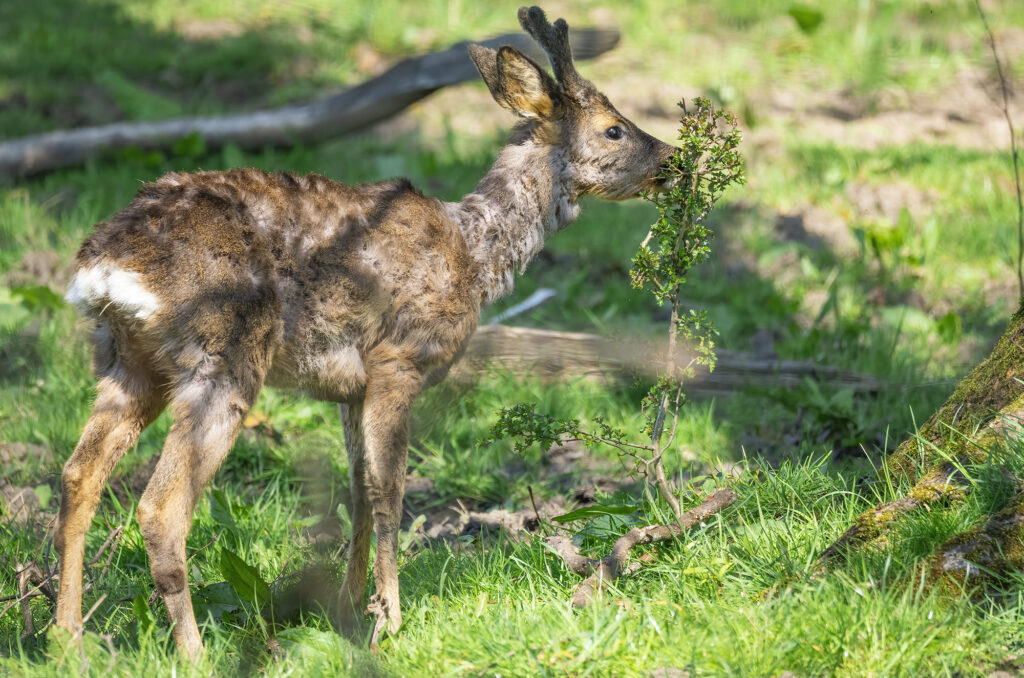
(600, 573)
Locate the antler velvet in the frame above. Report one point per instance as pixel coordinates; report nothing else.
(554, 39)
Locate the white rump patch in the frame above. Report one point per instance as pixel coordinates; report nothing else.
(104, 285)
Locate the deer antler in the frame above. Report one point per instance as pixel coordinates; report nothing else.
(554, 39)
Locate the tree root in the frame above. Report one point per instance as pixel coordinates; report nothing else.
(991, 387)
(980, 557)
(938, 486)
(600, 573)
(986, 407)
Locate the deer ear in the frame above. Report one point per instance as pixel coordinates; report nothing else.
(516, 83)
(526, 87)
(486, 61)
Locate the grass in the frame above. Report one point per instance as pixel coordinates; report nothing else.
(497, 607)
(914, 299)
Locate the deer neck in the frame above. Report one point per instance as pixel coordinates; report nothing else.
(524, 196)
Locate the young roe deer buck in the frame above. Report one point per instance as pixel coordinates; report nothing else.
(209, 285)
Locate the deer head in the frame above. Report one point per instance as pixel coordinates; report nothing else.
(606, 154)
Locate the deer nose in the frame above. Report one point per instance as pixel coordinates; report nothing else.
(666, 152)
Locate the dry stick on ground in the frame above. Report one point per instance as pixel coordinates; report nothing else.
(349, 111)
(1005, 91)
(115, 537)
(606, 570)
(32, 581)
(26, 593)
(27, 575)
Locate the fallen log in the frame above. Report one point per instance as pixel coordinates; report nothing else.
(552, 354)
(345, 112)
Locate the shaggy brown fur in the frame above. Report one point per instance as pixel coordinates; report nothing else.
(210, 285)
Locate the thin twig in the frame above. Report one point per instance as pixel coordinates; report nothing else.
(93, 608)
(24, 579)
(34, 591)
(115, 538)
(115, 534)
(46, 563)
(621, 444)
(1005, 90)
(536, 513)
(204, 547)
(113, 550)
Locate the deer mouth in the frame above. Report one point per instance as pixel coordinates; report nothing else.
(664, 184)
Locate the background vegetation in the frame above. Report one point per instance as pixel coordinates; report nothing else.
(876, 233)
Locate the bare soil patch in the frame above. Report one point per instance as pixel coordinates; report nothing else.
(965, 113)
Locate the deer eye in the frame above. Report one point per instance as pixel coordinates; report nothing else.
(614, 132)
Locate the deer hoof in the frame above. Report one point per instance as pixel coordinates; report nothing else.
(387, 619)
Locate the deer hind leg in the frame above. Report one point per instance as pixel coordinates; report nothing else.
(127, 402)
(392, 383)
(353, 589)
(208, 410)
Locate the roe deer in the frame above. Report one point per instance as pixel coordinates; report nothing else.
(209, 285)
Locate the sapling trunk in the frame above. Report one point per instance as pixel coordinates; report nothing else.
(706, 164)
(657, 458)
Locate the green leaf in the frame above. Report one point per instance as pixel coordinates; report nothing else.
(190, 147)
(37, 298)
(220, 511)
(216, 600)
(43, 493)
(310, 648)
(949, 327)
(308, 521)
(592, 511)
(143, 615)
(607, 526)
(244, 578)
(807, 18)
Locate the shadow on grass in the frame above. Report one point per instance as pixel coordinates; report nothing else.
(69, 63)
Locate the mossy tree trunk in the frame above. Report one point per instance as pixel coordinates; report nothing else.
(974, 419)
